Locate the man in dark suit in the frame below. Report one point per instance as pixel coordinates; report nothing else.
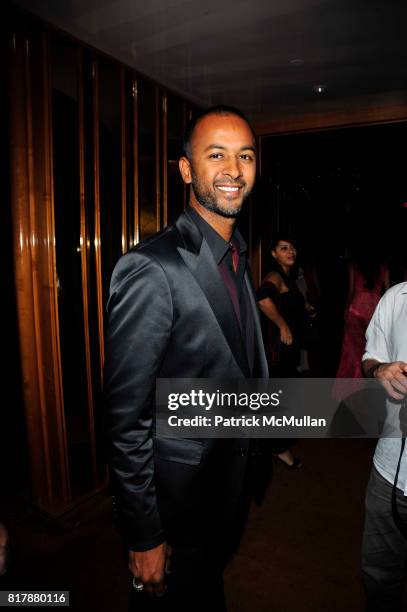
(182, 305)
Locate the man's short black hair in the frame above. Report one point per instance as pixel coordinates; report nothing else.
(220, 109)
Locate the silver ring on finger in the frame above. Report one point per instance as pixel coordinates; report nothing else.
(137, 585)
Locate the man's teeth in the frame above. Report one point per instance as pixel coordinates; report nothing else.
(228, 188)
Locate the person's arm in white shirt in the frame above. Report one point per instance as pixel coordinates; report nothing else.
(377, 361)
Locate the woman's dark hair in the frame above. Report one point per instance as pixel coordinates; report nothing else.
(291, 277)
(281, 237)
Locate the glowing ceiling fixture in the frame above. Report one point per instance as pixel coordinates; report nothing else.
(319, 89)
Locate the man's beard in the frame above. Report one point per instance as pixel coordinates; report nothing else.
(208, 200)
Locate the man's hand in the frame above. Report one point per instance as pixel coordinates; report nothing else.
(150, 566)
(286, 336)
(393, 377)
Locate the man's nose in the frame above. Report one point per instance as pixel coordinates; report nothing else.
(233, 168)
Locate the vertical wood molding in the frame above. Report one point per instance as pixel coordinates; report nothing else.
(96, 191)
(136, 162)
(35, 221)
(157, 160)
(52, 275)
(33, 240)
(123, 157)
(35, 269)
(165, 158)
(85, 245)
(184, 125)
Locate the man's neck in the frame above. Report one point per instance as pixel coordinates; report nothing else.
(224, 226)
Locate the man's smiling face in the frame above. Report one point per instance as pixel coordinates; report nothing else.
(222, 168)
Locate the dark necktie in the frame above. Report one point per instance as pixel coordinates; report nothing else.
(235, 256)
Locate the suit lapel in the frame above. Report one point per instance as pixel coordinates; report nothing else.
(197, 256)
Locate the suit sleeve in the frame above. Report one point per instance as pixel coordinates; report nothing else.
(140, 321)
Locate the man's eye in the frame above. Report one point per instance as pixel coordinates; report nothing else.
(246, 156)
(215, 155)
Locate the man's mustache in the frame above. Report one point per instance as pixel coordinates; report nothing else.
(230, 184)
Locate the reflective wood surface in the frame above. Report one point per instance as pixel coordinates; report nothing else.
(94, 160)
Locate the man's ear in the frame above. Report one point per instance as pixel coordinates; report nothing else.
(185, 169)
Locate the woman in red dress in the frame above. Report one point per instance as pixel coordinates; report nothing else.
(368, 279)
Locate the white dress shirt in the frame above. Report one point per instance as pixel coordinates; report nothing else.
(386, 341)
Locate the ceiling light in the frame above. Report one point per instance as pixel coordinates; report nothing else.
(319, 89)
(297, 62)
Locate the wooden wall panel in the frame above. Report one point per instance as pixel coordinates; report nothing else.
(96, 196)
(85, 247)
(39, 213)
(157, 159)
(164, 159)
(135, 162)
(351, 113)
(149, 163)
(185, 193)
(123, 126)
(35, 272)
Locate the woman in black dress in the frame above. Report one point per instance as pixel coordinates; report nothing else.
(283, 306)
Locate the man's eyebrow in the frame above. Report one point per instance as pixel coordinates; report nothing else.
(218, 146)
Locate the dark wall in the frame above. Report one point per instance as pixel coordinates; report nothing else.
(338, 189)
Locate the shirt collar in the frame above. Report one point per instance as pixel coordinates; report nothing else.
(218, 246)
